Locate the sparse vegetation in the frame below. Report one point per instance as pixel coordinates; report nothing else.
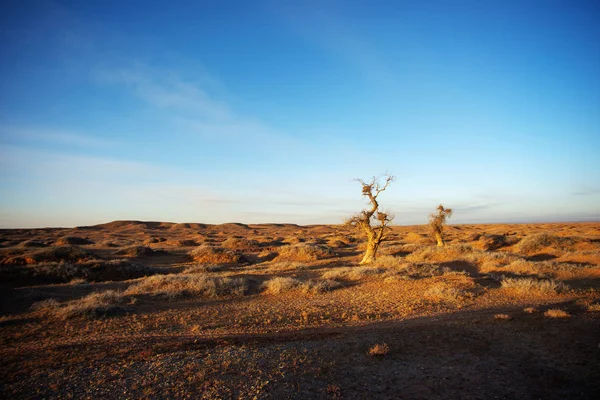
(379, 350)
(94, 305)
(526, 285)
(283, 324)
(176, 286)
(556, 313)
(280, 284)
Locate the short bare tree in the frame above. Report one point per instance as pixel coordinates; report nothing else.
(371, 221)
(437, 222)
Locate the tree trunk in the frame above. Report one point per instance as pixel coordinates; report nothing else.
(440, 239)
(371, 252)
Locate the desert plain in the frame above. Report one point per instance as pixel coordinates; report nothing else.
(157, 310)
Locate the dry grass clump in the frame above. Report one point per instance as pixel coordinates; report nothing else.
(388, 261)
(556, 313)
(280, 284)
(303, 252)
(98, 304)
(206, 254)
(284, 266)
(526, 285)
(503, 317)
(553, 269)
(445, 292)
(540, 241)
(530, 310)
(379, 350)
(593, 307)
(240, 244)
(399, 267)
(321, 286)
(183, 285)
(353, 273)
(45, 305)
(440, 254)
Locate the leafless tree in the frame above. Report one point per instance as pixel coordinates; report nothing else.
(371, 221)
(437, 222)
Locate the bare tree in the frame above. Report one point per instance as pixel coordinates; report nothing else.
(371, 221)
(437, 222)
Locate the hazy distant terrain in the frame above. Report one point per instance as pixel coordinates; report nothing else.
(133, 309)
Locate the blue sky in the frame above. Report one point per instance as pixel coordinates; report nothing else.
(264, 111)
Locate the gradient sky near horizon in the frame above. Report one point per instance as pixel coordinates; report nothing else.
(264, 111)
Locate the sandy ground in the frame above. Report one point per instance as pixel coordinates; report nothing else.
(135, 309)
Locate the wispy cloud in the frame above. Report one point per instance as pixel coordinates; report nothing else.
(168, 90)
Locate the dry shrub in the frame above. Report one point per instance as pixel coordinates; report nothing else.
(280, 284)
(321, 286)
(206, 254)
(379, 350)
(175, 286)
(540, 241)
(73, 240)
(444, 292)
(556, 313)
(593, 307)
(526, 285)
(303, 252)
(98, 304)
(240, 244)
(353, 273)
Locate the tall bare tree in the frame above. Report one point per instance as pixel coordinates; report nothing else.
(437, 222)
(371, 221)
